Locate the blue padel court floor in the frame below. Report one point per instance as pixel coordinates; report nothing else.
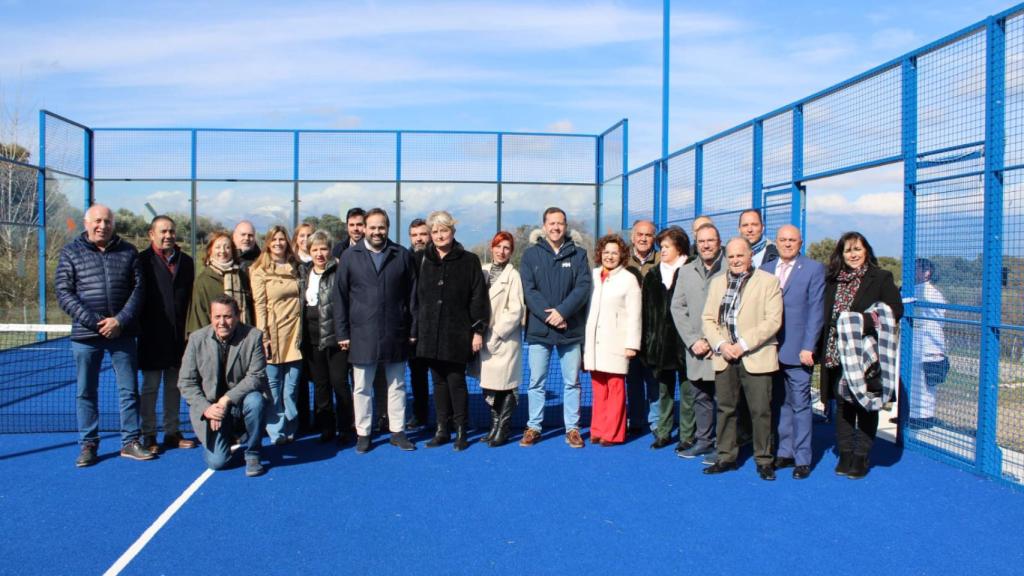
(547, 509)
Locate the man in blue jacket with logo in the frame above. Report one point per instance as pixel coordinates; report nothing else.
(556, 287)
(99, 284)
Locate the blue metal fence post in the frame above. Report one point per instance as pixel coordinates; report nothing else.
(295, 180)
(625, 173)
(666, 34)
(656, 192)
(599, 179)
(989, 459)
(87, 168)
(797, 213)
(398, 185)
(41, 218)
(193, 174)
(757, 175)
(500, 161)
(909, 148)
(698, 180)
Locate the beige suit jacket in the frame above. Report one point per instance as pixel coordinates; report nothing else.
(758, 320)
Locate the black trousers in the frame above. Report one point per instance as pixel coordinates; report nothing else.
(329, 369)
(329, 372)
(451, 398)
(418, 370)
(856, 427)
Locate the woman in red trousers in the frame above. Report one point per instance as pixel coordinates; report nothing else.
(612, 337)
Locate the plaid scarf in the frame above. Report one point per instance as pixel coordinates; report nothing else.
(847, 284)
(757, 248)
(858, 354)
(730, 305)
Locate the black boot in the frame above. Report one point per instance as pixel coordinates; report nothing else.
(460, 438)
(495, 414)
(441, 437)
(858, 467)
(504, 420)
(843, 467)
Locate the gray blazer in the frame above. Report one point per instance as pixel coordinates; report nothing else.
(246, 371)
(687, 307)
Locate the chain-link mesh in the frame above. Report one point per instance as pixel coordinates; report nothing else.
(611, 152)
(728, 173)
(143, 154)
(348, 156)
(777, 149)
(855, 125)
(66, 147)
(449, 157)
(681, 188)
(245, 155)
(640, 204)
(548, 159)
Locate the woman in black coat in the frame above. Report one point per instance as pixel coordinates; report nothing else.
(327, 364)
(454, 310)
(853, 283)
(661, 349)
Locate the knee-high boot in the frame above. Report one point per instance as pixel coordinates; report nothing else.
(508, 407)
(497, 399)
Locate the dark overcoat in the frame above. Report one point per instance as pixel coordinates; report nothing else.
(375, 310)
(164, 309)
(661, 347)
(453, 304)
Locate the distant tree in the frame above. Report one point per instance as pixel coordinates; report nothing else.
(821, 250)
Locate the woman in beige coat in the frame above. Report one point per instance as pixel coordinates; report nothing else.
(275, 290)
(500, 363)
(612, 338)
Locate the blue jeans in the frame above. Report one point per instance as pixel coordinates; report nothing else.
(569, 360)
(217, 450)
(282, 417)
(88, 356)
(642, 393)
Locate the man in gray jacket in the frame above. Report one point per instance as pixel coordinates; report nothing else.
(223, 379)
(687, 307)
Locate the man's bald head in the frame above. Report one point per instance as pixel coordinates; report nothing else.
(788, 241)
(738, 255)
(244, 235)
(99, 225)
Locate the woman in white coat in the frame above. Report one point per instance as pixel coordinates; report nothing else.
(612, 338)
(500, 363)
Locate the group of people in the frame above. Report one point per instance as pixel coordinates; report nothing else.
(737, 328)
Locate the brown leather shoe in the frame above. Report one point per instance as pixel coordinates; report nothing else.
(178, 441)
(150, 445)
(574, 440)
(530, 437)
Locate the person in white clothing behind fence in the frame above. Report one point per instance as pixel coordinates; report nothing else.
(931, 363)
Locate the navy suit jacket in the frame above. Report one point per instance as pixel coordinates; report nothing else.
(803, 313)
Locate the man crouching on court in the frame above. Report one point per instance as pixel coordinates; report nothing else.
(223, 378)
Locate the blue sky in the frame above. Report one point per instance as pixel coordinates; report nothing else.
(562, 66)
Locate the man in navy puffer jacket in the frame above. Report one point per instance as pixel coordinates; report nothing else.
(99, 284)
(556, 287)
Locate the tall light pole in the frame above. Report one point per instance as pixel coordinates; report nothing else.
(666, 31)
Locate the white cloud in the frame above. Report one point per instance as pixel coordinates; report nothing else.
(882, 204)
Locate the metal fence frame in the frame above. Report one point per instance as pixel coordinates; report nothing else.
(653, 203)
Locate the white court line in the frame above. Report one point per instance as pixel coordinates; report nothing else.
(155, 527)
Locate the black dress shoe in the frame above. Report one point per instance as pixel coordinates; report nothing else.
(684, 445)
(399, 439)
(782, 462)
(719, 467)
(801, 472)
(363, 444)
(660, 443)
(766, 472)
